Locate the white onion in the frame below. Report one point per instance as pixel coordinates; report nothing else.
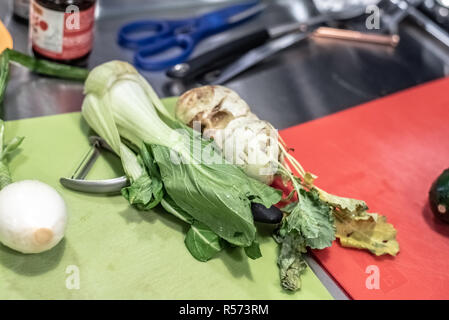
(33, 216)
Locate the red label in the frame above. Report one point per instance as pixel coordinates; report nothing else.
(61, 35)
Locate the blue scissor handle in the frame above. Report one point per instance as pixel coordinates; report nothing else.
(159, 29)
(185, 42)
(184, 34)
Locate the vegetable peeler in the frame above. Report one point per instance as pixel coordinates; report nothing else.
(77, 182)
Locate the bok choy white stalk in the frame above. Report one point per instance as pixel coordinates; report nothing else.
(214, 197)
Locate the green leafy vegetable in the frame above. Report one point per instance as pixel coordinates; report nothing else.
(290, 260)
(145, 193)
(39, 66)
(253, 251)
(214, 197)
(148, 190)
(4, 73)
(45, 67)
(5, 150)
(309, 223)
(219, 195)
(312, 218)
(202, 243)
(170, 206)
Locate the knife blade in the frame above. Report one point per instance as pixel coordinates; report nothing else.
(257, 55)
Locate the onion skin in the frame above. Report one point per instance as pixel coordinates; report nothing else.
(33, 217)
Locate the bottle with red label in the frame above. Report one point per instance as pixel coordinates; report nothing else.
(62, 30)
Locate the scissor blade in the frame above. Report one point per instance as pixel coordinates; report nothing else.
(247, 13)
(257, 55)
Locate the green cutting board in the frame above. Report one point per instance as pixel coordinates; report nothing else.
(115, 251)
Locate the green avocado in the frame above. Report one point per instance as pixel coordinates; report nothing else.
(439, 196)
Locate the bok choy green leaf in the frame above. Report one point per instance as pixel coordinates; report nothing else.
(202, 242)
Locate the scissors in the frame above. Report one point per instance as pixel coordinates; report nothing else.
(184, 34)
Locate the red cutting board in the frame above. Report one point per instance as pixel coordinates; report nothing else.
(386, 152)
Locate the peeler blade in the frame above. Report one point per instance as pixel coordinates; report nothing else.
(77, 181)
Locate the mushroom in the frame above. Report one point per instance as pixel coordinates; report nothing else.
(244, 139)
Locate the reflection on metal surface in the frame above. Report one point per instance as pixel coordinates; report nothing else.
(300, 10)
(247, 14)
(316, 20)
(257, 55)
(301, 79)
(29, 95)
(341, 5)
(115, 8)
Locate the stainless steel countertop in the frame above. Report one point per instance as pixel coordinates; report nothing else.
(305, 82)
(308, 81)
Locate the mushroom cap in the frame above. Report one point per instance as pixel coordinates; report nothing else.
(212, 106)
(245, 140)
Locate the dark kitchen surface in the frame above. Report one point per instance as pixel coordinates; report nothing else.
(308, 81)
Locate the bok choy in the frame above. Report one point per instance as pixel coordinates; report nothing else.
(164, 163)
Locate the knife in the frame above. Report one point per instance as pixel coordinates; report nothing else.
(231, 51)
(257, 55)
(428, 24)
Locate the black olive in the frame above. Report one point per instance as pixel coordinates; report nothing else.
(439, 196)
(271, 215)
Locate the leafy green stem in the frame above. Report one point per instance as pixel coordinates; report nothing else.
(45, 67)
(5, 149)
(4, 73)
